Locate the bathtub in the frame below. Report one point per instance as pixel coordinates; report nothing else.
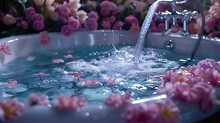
(97, 113)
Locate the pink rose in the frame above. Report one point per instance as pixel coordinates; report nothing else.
(38, 25)
(131, 20)
(9, 20)
(93, 15)
(134, 28)
(63, 10)
(112, 19)
(66, 30)
(24, 24)
(30, 11)
(107, 7)
(73, 23)
(91, 24)
(37, 16)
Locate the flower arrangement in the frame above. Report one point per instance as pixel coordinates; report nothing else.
(32, 16)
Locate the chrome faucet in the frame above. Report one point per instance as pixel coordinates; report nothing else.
(185, 16)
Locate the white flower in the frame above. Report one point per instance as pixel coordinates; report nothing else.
(82, 16)
(74, 5)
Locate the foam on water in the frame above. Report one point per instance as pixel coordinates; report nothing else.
(93, 73)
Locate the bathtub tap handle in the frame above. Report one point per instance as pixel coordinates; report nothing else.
(187, 16)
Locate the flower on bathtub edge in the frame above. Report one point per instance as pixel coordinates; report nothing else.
(10, 109)
(5, 49)
(44, 38)
(194, 84)
(163, 111)
(68, 103)
(117, 100)
(37, 99)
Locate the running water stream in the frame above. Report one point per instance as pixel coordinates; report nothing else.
(144, 28)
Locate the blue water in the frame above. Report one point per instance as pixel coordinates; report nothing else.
(115, 63)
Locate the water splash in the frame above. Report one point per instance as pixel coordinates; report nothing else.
(145, 27)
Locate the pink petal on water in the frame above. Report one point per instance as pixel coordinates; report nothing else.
(31, 58)
(58, 61)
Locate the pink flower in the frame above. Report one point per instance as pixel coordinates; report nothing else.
(38, 25)
(66, 30)
(39, 2)
(106, 24)
(169, 112)
(91, 24)
(10, 109)
(30, 11)
(44, 38)
(9, 20)
(214, 34)
(90, 82)
(131, 20)
(57, 61)
(117, 25)
(163, 111)
(105, 12)
(31, 58)
(118, 101)
(24, 24)
(210, 22)
(160, 8)
(93, 15)
(215, 10)
(139, 6)
(41, 74)
(107, 7)
(68, 56)
(68, 103)
(142, 113)
(37, 99)
(112, 19)
(107, 79)
(209, 64)
(77, 75)
(12, 83)
(134, 28)
(63, 10)
(215, 78)
(5, 49)
(37, 16)
(74, 23)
